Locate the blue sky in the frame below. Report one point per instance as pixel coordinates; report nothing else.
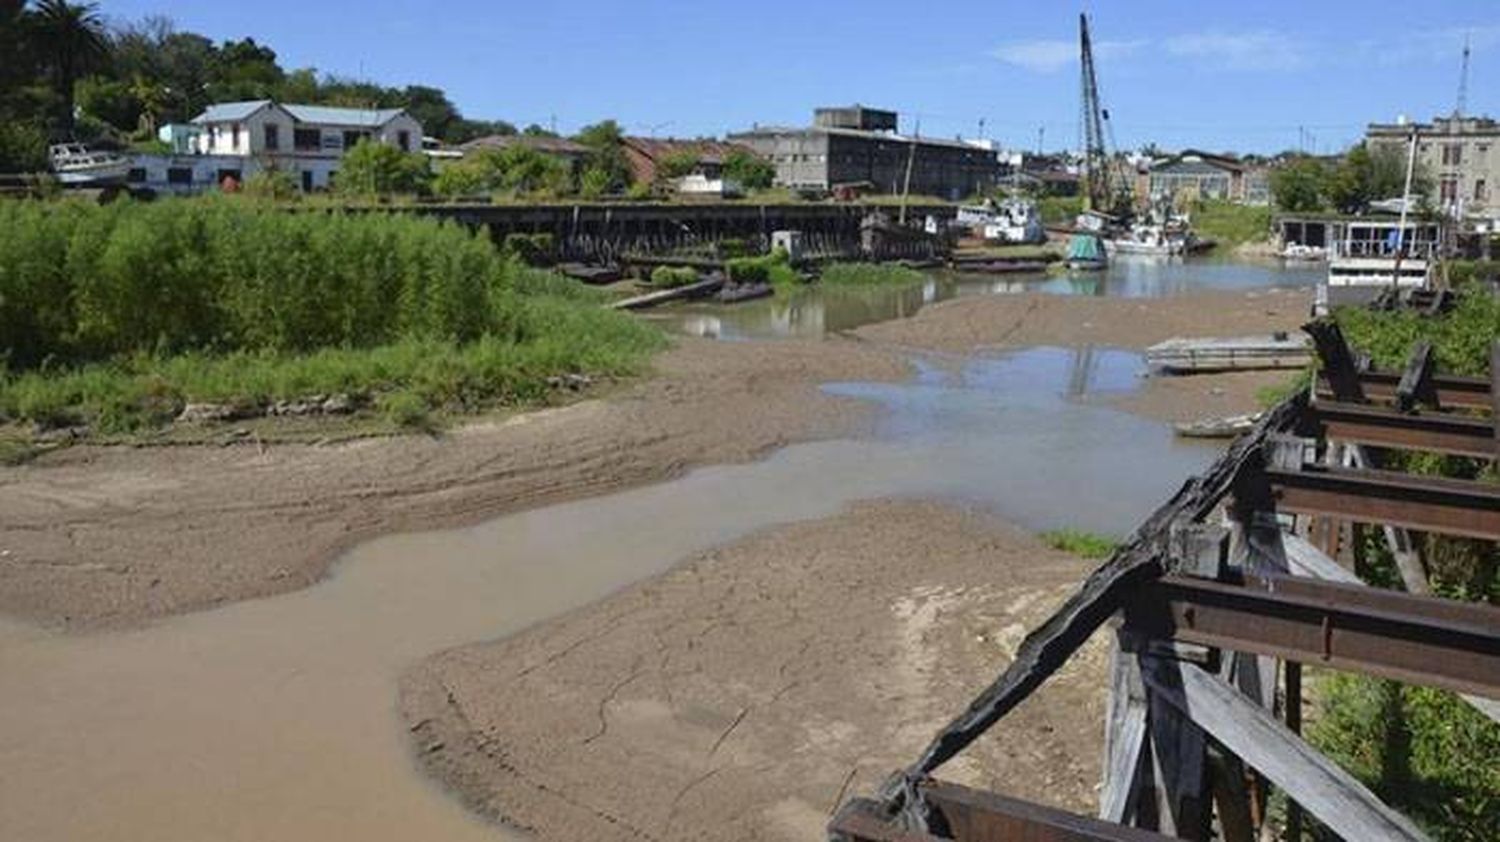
(1221, 76)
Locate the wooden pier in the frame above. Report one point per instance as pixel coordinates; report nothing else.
(1219, 600)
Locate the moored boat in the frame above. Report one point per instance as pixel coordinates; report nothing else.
(1086, 252)
(78, 166)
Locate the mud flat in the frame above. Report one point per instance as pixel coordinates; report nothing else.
(112, 536)
(739, 695)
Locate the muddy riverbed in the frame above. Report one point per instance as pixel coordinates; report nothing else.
(277, 717)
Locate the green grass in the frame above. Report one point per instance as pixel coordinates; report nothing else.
(116, 317)
(1059, 210)
(869, 274)
(1080, 543)
(1230, 224)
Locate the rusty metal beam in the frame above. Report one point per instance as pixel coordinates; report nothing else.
(1459, 435)
(1430, 504)
(1453, 392)
(972, 815)
(1420, 640)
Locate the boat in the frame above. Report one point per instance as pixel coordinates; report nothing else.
(1376, 255)
(1236, 353)
(1150, 239)
(1300, 252)
(1009, 221)
(75, 165)
(1086, 252)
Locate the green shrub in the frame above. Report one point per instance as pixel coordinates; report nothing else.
(275, 185)
(531, 249)
(774, 268)
(668, 277)
(372, 168)
(1080, 543)
(114, 316)
(404, 409)
(1230, 224)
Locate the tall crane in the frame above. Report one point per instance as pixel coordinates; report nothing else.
(1103, 190)
(1463, 82)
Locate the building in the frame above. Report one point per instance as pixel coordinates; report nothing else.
(860, 146)
(574, 154)
(1193, 175)
(308, 141)
(1461, 153)
(645, 156)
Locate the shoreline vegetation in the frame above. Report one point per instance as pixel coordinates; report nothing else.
(118, 318)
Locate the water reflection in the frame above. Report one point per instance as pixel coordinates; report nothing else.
(817, 311)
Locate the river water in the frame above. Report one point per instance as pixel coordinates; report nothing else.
(819, 310)
(275, 719)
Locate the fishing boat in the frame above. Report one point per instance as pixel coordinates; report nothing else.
(76, 165)
(1157, 240)
(1086, 252)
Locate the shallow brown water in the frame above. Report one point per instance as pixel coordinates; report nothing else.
(275, 719)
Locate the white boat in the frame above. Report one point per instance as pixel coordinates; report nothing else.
(1150, 239)
(1377, 255)
(76, 165)
(1301, 252)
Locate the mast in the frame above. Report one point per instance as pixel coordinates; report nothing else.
(1100, 189)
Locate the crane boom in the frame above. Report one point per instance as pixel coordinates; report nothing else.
(1100, 190)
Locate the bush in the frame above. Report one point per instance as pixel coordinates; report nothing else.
(531, 249)
(1231, 224)
(751, 171)
(372, 168)
(668, 277)
(774, 268)
(275, 185)
(116, 315)
(1080, 543)
(404, 409)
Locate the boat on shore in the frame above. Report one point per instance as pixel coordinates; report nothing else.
(76, 165)
(1086, 252)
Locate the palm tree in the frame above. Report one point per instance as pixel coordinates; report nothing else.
(72, 40)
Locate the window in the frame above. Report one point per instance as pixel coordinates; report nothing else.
(403, 140)
(273, 136)
(137, 175)
(352, 139)
(234, 143)
(1480, 193)
(1448, 190)
(307, 140)
(307, 181)
(1453, 154)
(180, 175)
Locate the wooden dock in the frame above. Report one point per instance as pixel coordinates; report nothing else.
(1237, 353)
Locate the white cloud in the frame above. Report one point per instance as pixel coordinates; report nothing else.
(1049, 56)
(1258, 50)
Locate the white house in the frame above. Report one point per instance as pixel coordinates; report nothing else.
(306, 140)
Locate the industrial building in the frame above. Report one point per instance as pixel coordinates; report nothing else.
(859, 147)
(1459, 152)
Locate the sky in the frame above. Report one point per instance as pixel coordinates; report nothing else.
(1258, 76)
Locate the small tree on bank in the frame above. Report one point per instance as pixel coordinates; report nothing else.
(378, 169)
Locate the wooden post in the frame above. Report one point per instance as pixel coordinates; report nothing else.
(1339, 365)
(1126, 771)
(1416, 381)
(1495, 393)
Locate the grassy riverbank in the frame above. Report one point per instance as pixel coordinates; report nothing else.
(1231, 225)
(117, 317)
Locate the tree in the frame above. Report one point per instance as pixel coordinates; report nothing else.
(242, 70)
(606, 143)
(1298, 187)
(677, 164)
(748, 169)
(372, 168)
(1366, 175)
(71, 39)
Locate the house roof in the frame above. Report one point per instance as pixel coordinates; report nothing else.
(541, 143)
(224, 112)
(708, 151)
(370, 118)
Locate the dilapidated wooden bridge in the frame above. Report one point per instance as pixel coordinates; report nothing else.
(1218, 602)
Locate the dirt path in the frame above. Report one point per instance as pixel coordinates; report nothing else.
(740, 695)
(109, 536)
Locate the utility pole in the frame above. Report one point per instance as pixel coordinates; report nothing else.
(1041, 134)
(1463, 82)
(911, 158)
(1411, 168)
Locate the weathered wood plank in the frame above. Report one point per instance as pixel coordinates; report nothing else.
(1339, 366)
(1334, 796)
(1124, 738)
(1416, 381)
